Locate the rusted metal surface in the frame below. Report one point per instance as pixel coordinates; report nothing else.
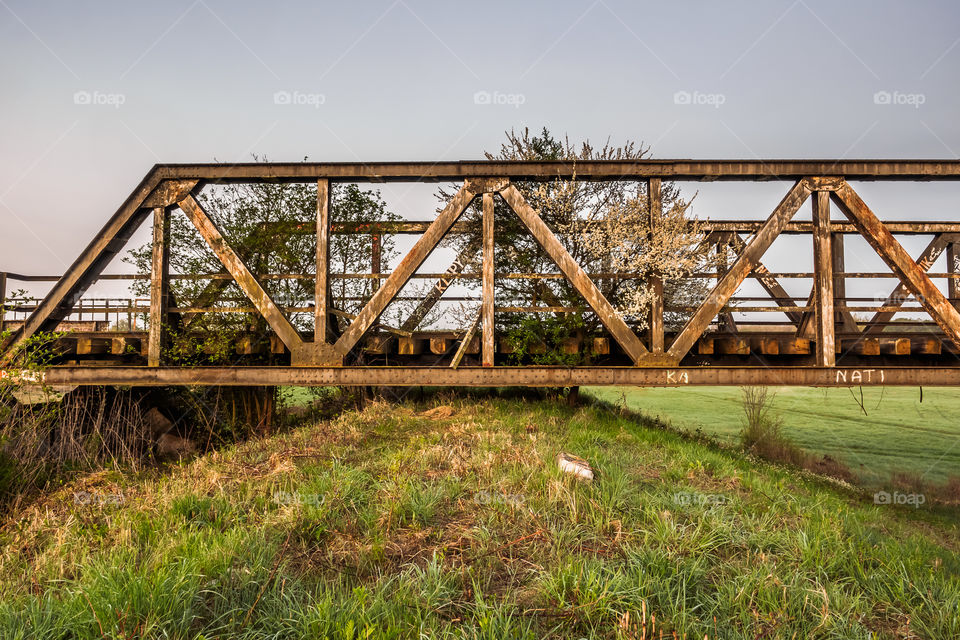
(844, 317)
(3, 299)
(823, 286)
(321, 287)
(953, 267)
(655, 210)
(743, 265)
(417, 227)
(503, 376)
(465, 342)
(911, 275)
(727, 323)
(487, 305)
(575, 274)
(159, 284)
(824, 331)
(410, 263)
(169, 192)
(694, 170)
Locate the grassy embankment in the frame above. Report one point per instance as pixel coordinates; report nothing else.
(396, 522)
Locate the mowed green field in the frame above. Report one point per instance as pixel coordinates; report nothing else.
(898, 432)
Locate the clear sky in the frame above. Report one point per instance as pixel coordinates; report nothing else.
(94, 93)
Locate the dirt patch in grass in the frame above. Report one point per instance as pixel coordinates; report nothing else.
(439, 413)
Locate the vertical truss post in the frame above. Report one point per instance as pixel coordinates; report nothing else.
(159, 284)
(375, 252)
(655, 210)
(488, 348)
(844, 317)
(823, 280)
(953, 267)
(725, 320)
(320, 297)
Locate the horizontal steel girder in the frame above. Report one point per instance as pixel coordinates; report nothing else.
(551, 170)
(497, 376)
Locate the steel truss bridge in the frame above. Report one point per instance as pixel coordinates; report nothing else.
(822, 343)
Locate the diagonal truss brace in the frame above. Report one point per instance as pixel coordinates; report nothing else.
(399, 277)
(242, 275)
(150, 193)
(576, 275)
(911, 275)
(898, 296)
(741, 268)
(770, 284)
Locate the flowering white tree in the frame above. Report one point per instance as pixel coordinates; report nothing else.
(606, 227)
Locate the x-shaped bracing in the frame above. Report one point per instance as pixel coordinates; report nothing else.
(321, 352)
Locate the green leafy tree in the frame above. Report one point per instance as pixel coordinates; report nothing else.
(270, 226)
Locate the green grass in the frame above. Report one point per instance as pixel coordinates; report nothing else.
(899, 433)
(393, 523)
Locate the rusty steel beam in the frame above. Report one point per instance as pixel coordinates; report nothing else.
(114, 235)
(399, 277)
(899, 295)
(769, 283)
(725, 320)
(655, 211)
(436, 292)
(499, 376)
(953, 267)
(241, 274)
(465, 342)
(159, 284)
(417, 227)
(487, 303)
(3, 298)
(844, 318)
(742, 266)
(321, 286)
(695, 170)
(915, 227)
(823, 285)
(575, 274)
(896, 257)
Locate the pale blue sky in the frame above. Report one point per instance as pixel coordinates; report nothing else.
(190, 81)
